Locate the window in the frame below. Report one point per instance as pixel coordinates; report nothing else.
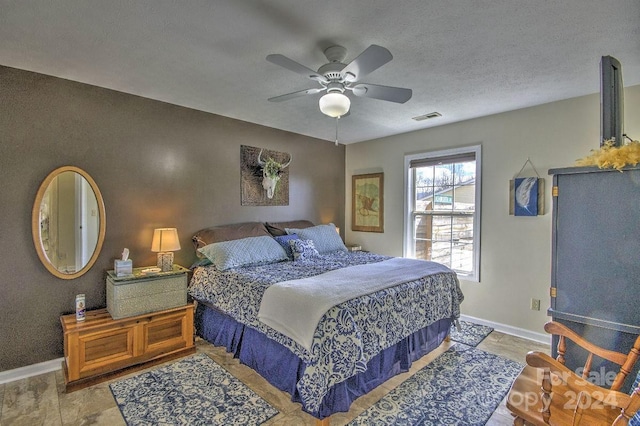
(442, 209)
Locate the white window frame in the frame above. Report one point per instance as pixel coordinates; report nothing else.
(409, 197)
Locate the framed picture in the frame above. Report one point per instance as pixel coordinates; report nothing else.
(526, 196)
(367, 203)
(264, 177)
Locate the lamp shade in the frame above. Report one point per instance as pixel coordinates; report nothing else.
(165, 239)
(334, 104)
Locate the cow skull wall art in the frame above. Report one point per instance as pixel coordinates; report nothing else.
(271, 171)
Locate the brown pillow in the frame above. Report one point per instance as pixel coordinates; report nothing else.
(277, 228)
(235, 231)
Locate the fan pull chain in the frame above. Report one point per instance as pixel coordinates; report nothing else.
(337, 118)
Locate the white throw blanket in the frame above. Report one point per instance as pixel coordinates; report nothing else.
(295, 307)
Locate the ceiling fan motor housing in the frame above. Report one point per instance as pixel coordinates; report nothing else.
(331, 71)
(335, 87)
(335, 53)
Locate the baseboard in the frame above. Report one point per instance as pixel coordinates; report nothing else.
(30, 370)
(508, 329)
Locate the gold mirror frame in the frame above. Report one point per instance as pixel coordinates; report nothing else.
(36, 224)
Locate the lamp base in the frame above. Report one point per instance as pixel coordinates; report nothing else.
(165, 261)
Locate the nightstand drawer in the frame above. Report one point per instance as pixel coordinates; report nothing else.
(167, 332)
(97, 352)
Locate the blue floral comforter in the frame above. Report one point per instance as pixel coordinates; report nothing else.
(349, 334)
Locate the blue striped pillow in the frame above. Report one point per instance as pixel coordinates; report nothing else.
(244, 252)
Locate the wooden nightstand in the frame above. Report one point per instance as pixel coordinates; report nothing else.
(100, 347)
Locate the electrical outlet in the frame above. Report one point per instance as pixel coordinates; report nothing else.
(535, 304)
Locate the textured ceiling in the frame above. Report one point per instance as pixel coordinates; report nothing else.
(464, 59)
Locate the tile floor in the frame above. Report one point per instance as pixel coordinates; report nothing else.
(41, 399)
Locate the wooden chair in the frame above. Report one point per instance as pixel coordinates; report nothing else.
(548, 393)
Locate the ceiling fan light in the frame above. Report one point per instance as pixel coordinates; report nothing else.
(334, 104)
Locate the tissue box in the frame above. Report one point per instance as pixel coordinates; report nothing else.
(122, 268)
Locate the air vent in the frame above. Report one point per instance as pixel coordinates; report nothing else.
(427, 116)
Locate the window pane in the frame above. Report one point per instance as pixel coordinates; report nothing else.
(465, 197)
(462, 228)
(443, 187)
(423, 227)
(422, 249)
(443, 175)
(462, 257)
(442, 228)
(424, 188)
(422, 237)
(441, 252)
(443, 200)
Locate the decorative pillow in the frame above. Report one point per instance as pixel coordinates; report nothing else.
(283, 240)
(324, 237)
(279, 228)
(244, 252)
(303, 249)
(221, 233)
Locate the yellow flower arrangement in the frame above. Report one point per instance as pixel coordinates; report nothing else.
(610, 156)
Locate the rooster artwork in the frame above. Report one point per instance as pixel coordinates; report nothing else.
(367, 205)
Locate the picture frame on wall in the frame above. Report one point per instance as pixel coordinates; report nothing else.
(264, 177)
(526, 196)
(367, 202)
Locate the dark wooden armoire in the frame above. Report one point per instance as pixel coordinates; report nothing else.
(595, 271)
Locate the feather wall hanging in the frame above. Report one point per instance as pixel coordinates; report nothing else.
(526, 194)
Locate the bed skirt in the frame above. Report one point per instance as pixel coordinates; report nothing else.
(283, 369)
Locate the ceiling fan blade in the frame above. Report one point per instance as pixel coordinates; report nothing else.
(294, 66)
(368, 61)
(296, 94)
(385, 93)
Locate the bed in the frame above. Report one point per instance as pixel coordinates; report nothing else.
(253, 286)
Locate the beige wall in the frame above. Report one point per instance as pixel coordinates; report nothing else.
(515, 251)
(156, 164)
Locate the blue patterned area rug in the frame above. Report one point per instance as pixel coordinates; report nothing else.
(463, 386)
(470, 334)
(192, 391)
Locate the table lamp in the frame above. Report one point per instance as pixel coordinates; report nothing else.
(165, 242)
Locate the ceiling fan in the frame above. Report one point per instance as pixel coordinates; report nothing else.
(336, 78)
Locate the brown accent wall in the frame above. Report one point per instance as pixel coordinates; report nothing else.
(157, 165)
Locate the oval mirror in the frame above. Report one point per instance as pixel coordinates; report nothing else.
(68, 222)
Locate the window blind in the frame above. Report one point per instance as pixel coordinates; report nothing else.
(438, 161)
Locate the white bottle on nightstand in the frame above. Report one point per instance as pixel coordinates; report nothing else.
(80, 307)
